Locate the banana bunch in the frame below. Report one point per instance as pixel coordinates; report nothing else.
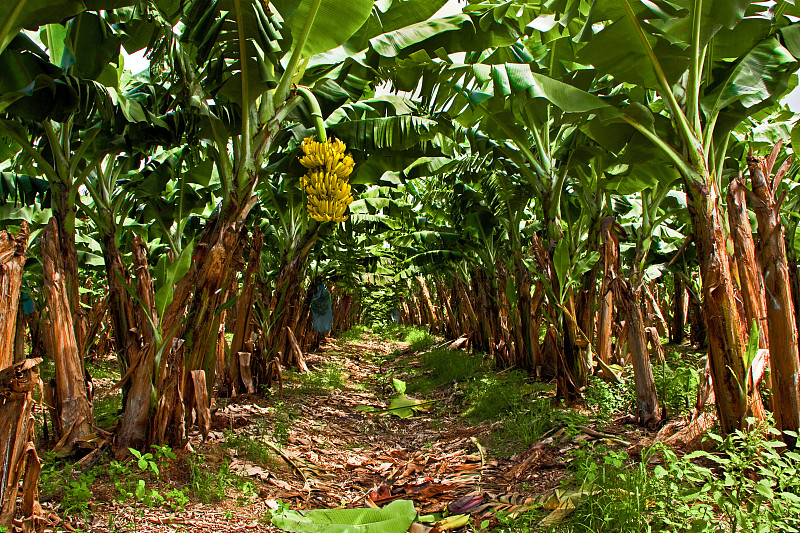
(326, 182)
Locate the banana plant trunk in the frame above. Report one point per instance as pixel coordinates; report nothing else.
(780, 309)
(447, 310)
(13, 252)
(134, 429)
(203, 317)
(465, 302)
(238, 368)
(610, 248)
(434, 323)
(72, 407)
(677, 332)
(719, 307)
(63, 212)
(287, 298)
(628, 300)
(527, 337)
(751, 285)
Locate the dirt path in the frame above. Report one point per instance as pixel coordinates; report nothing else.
(334, 454)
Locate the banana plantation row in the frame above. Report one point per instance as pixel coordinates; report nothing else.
(553, 182)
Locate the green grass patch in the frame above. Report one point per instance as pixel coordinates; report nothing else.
(663, 492)
(355, 333)
(328, 378)
(418, 338)
(524, 407)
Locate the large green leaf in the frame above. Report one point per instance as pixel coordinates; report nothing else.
(91, 43)
(18, 14)
(333, 24)
(396, 517)
(618, 50)
(754, 78)
(391, 16)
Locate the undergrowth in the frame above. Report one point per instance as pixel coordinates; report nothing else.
(524, 408)
(747, 484)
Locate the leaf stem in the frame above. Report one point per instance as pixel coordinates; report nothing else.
(694, 147)
(316, 112)
(282, 91)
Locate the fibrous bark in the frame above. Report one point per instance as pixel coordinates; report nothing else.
(610, 251)
(751, 286)
(719, 307)
(627, 298)
(73, 410)
(17, 383)
(134, 428)
(13, 252)
(244, 321)
(780, 308)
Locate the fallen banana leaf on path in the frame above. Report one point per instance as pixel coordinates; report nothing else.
(396, 517)
(401, 406)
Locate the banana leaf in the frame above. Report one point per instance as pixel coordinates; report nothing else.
(394, 518)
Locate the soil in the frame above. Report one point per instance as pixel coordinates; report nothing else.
(336, 454)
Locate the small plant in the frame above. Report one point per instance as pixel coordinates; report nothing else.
(177, 499)
(744, 486)
(77, 495)
(607, 399)
(208, 484)
(418, 338)
(145, 461)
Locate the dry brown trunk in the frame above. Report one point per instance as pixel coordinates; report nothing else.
(13, 252)
(751, 285)
(202, 328)
(444, 299)
(74, 412)
(287, 300)
(466, 304)
(660, 321)
(434, 323)
(17, 383)
(678, 314)
(527, 340)
(244, 320)
(133, 431)
(19, 337)
(627, 298)
(610, 251)
(405, 314)
(784, 357)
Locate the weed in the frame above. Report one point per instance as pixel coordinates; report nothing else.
(606, 399)
(496, 395)
(327, 379)
(284, 418)
(77, 495)
(250, 448)
(745, 486)
(209, 484)
(418, 338)
(107, 409)
(355, 333)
